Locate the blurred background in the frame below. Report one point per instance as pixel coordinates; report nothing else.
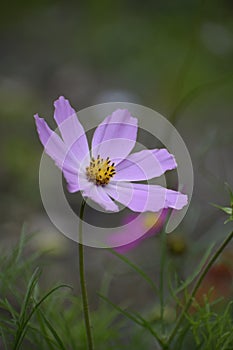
(175, 57)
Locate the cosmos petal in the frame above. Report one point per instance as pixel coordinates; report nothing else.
(99, 195)
(145, 165)
(70, 128)
(58, 151)
(145, 197)
(115, 137)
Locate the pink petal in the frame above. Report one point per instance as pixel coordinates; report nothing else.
(141, 198)
(72, 187)
(70, 127)
(176, 200)
(99, 195)
(145, 165)
(59, 152)
(115, 137)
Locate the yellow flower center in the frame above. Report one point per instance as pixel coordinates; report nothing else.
(100, 171)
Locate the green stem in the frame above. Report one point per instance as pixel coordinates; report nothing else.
(162, 270)
(83, 281)
(197, 285)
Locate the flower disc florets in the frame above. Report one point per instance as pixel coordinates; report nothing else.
(100, 171)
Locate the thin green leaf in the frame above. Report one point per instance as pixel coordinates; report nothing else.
(44, 331)
(229, 219)
(134, 317)
(5, 304)
(226, 210)
(230, 192)
(4, 340)
(118, 308)
(137, 269)
(31, 285)
(48, 340)
(146, 325)
(54, 333)
(191, 278)
(69, 334)
(180, 337)
(23, 328)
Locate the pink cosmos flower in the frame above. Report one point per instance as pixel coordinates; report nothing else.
(108, 171)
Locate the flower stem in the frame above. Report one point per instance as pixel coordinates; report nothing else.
(162, 271)
(83, 281)
(197, 285)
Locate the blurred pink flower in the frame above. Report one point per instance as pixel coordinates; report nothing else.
(150, 223)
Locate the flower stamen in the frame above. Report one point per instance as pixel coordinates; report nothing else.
(100, 171)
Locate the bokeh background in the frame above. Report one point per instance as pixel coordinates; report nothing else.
(173, 56)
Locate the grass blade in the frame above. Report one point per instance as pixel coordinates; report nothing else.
(54, 333)
(191, 278)
(137, 269)
(23, 321)
(135, 318)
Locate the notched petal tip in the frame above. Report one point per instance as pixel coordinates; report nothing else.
(63, 109)
(176, 200)
(166, 159)
(123, 116)
(60, 99)
(42, 128)
(38, 119)
(184, 199)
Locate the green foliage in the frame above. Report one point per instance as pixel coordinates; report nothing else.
(202, 329)
(207, 330)
(227, 210)
(32, 318)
